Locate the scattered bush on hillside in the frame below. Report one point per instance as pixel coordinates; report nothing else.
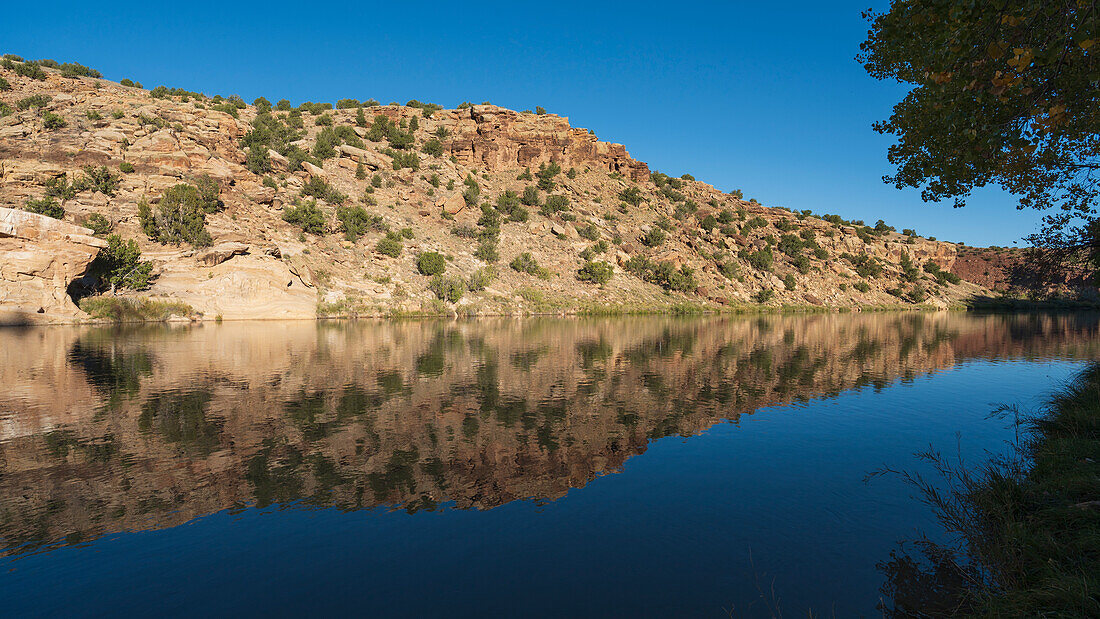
(389, 245)
(596, 272)
(46, 206)
(632, 196)
(431, 263)
(317, 187)
(546, 175)
(306, 215)
(526, 263)
(98, 224)
(655, 237)
(447, 287)
(554, 204)
(179, 217)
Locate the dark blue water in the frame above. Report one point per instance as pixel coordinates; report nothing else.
(635, 467)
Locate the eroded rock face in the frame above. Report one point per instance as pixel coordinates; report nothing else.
(487, 136)
(41, 257)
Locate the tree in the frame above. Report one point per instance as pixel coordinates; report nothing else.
(119, 265)
(1003, 94)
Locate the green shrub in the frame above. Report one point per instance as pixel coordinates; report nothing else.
(447, 288)
(802, 263)
(355, 222)
(35, 101)
(432, 147)
(307, 216)
(917, 294)
(525, 175)
(554, 204)
(317, 187)
(487, 251)
(632, 196)
(180, 217)
(760, 259)
(597, 272)
(119, 265)
(729, 268)
(93, 115)
(431, 263)
(530, 196)
(589, 232)
(861, 286)
(789, 282)
(540, 110)
(655, 237)
(98, 224)
(480, 279)
(46, 206)
(526, 263)
(764, 295)
(30, 69)
(98, 179)
(75, 69)
(126, 167)
(389, 245)
(546, 175)
(4, 85)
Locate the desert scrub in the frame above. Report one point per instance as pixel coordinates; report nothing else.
(526, 263)
(448, 288)
(180, 216)
(389, 245)
(596, 272)
(127, 309)
(431, 263)
(46, 206)
(307, 216)
(119, 265)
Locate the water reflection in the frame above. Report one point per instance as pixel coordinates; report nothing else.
(105, 430)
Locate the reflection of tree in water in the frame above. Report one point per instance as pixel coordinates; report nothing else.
(421, 416)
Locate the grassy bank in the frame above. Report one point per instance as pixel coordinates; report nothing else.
(1029, 524)
(127, 309)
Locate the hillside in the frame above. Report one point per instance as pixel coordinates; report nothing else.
(307, 211)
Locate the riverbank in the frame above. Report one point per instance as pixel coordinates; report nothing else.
(1028, 523)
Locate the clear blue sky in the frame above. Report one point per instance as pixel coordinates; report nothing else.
(761, 96)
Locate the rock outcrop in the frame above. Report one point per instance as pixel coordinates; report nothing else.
(40, 257)
(463, 182)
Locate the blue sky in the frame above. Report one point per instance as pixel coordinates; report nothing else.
(765, 97)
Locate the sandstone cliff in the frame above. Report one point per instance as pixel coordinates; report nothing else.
(666, 242)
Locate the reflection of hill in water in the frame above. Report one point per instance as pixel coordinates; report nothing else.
(103, 431)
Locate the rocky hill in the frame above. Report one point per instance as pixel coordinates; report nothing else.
(268, 211)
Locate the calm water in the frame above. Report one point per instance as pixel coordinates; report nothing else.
(628, 467)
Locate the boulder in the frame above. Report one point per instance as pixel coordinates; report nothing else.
(312, 170)
(39, 258)
(453, 204)
(220, 253)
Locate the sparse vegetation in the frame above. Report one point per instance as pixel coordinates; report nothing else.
(431, 263)
(306, 215)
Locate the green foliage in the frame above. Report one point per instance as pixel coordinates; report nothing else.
(540, 110)
(996, 94)
(269, 132)
(126, 167)
(530, 196)
(526, 263)
(432, 147)
(480, 279)
(664, 274)
(119, 265)
(447, 287)
(390, 246)
(431, 263)
(46, 206)
(317, 187)
(789, 282)
(764, 295)
(942, 277)
(761, 259)
(554, 204)
(655, 237)
(93, 115)
(861, 286)
(305, 215)
(179, 217)
(729, 268)
(405, 160)
(75, 69)
(866, 266)
(355, 222)
(632, 196)
(589, 232)
(35, 101)
(791, 245)
(28, 69)
(487, 251)
(4, 85)
(546, 175)
(597, 272)
(99, 224)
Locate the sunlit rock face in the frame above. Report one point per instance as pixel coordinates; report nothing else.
(104, 430)
(39, 258)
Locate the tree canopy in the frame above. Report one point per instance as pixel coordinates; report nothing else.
(1004, 93)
